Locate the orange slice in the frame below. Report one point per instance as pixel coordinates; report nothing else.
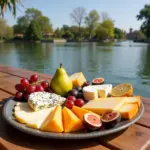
(121, 90)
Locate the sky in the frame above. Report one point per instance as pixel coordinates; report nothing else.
(123, 12)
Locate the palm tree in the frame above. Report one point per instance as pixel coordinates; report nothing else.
(10, 4)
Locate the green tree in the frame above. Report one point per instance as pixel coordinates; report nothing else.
(5, 30)
(119, 34)
(32, 14)
(33, 32)
(105, 30)
(59, 33)
(68, 35)
(10, 4)
(92, 21)
(144, 14)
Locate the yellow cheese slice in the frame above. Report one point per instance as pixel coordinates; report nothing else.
(102, 105)
(128, 111)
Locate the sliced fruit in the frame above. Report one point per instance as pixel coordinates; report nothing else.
(122, 90)
(86, 83)
(78, 79)
(70, 121)
(79, 112)
(111, 118)
(98, 81)
(128, 111)
(53, 123)
(92, 121)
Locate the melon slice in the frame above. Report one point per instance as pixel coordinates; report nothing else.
(70, 121)
(78, 79)
(53, 123)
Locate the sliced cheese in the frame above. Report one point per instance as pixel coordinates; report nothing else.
(94, 91)
(24, 114)
(71, 122)
(78, 79)
(53, 122)
(134, 100)
(128, 111)
(102, 105)
(40, 116)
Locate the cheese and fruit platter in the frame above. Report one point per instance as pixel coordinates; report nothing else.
(71, 107)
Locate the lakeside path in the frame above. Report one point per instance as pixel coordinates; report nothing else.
(136, 137)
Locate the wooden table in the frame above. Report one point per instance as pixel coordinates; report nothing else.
(136, 137)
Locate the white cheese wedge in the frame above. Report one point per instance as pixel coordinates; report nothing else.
(101, 105)
(24, 114)
(94, 91)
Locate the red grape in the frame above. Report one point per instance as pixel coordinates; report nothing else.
(18, 95)
(69, 104)
(34, 78)
(45, 85)
(31, 89)
(26, 96)
(79, 102)
(39, 88)
(24, 82)
(19, 87)
(72, 98)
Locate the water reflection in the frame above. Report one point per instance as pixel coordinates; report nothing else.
(121, 62)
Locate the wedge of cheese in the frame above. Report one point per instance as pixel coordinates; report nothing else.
(70, 121)
(53, 122)
(102, 105)
(24, 114)
(134, 100)
(95, 91)
(128, 111)
(78, 79)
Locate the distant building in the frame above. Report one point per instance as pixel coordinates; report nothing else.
(135, 35)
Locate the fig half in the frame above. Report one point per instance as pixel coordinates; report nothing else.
(98, 81)
(110, 119)
(92, 121)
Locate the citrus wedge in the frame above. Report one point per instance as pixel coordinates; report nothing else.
(121, 90)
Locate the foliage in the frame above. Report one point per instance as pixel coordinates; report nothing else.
(33, 32)
(59, 33)
(105, 30)
(92, 21)
(140, 35)
(32, 14)
(5, 30)
(144, 14)
(10, 4)
(119, 34)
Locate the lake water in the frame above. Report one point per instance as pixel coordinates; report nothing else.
(122, 62)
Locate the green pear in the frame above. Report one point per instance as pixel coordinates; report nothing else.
(61, 83)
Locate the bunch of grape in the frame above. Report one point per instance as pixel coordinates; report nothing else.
(26, 87)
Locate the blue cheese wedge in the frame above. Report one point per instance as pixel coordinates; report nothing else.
(42, 100)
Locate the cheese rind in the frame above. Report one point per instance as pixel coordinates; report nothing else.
(102, 105)
(94, 91)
